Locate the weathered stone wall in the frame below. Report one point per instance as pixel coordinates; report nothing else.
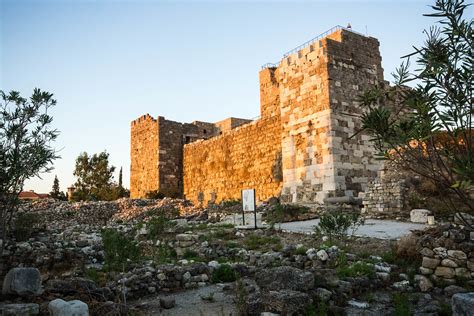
(385, 199)
(319, 86)
(313, 94)
(143, 156)
(246, 157)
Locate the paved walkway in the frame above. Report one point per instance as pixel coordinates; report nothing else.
(383, 229)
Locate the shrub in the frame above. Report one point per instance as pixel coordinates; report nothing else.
(230, 203)
(119, 249)
(402, 304)
(336, 224)
(285, 212)
(25, 225)
(157, 226)
(99, 277)
(158, 195)
(253, 242)
(408, 248)
(224, 273)
(344, 270)
(164, 254)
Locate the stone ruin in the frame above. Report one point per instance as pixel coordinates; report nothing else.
(304, 147)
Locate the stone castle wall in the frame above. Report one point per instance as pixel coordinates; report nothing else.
(304, 148)
(246, 157)
(319, 87)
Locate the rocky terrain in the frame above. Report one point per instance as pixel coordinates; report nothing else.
(164, 257)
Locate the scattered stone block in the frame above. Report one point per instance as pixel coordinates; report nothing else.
(285, 277)
(462, 304)
(59, 307)
(27, 309)
(22, 282)
(450, 290)
(430, 263)
(419, 216)
(445, 272)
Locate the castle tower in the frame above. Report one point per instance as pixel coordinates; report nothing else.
(318, 89)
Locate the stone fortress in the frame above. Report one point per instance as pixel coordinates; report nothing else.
(304, 148)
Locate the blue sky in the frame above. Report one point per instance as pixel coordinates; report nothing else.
(108, 62)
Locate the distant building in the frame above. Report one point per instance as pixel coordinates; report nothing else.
(32, 195)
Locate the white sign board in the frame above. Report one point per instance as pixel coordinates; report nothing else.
(248, 200)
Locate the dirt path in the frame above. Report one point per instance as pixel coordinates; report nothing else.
(383, 229)
(191, 303)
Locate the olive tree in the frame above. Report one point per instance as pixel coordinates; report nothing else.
(424, 121)
(26, 138)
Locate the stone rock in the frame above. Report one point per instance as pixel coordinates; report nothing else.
(444, 272)
(27, 309)
(382, 268)
(285, 277)
(427, 252)
(450, 290)
(22, 282)
(402, 285)
(167, 302)
(323, 294)
(441, 252)
(384, 276)
(430, 263)
(457, 254)
(426, 271)
(419, 216)
(322, 255)
(213, 264)
(423, 283)
(269, 314)
(470, 265)
(285, 302)
(358, 304)
(59, 307)
(311, 253)
(449, 263)
(462, 218)
(462, 273)
(462, 304)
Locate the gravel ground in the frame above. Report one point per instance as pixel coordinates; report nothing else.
(383, 229)
(190, 302)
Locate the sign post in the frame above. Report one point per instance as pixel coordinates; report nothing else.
(248, 204)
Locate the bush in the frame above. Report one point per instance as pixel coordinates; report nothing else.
(157, 226)
(402, 305)
(253, 242)
(408, 248)
(161, 194)
(230, 203)
(25, 226)
(119, 249)
(224, 273)
(344, 270)
(336, 224)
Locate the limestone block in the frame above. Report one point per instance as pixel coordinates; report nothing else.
(22, 282)
(19, 309)
(462, 304)
(430, 263)
(445, 272)
(59, 307)
(419, 216)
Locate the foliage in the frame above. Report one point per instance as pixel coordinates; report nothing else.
(164, 254)
(94, 177)
(408, 248)
(99, 277)
(161, 194)
(285, 212)
(224, 273)
(119, 249)
(254, 242)
(157, 226)
(25, 225)
(359, 268)
(240, 297)
(337, 223)
(56, 193)
(427, 128)
(230, 203)
(402, 304)
(26, 150)
(317, 309)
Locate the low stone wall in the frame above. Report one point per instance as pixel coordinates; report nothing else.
(448, 259)
(246, 157)
(385, 199)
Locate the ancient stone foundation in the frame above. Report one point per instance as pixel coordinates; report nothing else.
(303, 148)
